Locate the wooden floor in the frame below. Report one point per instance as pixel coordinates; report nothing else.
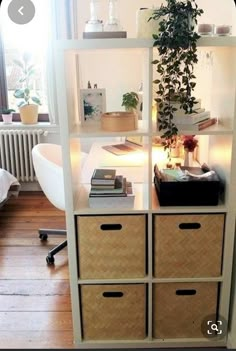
(35, 310)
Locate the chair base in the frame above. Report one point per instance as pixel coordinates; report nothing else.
(43, 235)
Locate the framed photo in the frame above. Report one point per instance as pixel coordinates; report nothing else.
(92, 104)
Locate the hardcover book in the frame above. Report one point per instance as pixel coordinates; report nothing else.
(180, 113)
(126, 201)
(191, 118)
(119, 189)
(103, 176)
(198, 126)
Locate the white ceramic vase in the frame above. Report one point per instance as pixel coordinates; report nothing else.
(188, 158)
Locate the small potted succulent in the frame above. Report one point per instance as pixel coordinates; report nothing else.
(7, 115)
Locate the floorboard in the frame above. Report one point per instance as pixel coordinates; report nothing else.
(35, 306)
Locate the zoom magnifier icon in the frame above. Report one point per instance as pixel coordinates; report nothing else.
(214, 327)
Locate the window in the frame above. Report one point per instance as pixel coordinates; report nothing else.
(16, 40)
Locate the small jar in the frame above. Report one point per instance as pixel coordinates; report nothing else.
(223, 30)
(205, 29)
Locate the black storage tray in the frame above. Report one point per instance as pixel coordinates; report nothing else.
(194, 192)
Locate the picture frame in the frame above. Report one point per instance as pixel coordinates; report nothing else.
(92, 105)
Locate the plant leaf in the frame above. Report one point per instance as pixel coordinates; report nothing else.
(36, 100)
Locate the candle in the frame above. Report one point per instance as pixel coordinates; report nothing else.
(223, 30)
(205, 29)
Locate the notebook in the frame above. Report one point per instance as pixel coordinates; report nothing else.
(131, 144)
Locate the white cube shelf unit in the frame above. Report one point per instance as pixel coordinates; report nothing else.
(154, 277)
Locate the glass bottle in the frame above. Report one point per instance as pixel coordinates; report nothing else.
(94, 6)
(113, 23)
(94, 24)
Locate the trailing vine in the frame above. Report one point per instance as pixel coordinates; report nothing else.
(177, 54)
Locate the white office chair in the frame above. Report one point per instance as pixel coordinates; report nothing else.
(47, 161)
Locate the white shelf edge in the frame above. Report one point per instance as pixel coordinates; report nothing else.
(94, 130)
(221, 41)
(190, 209)
(135, 43)
(106, 211)
(144, 280)
(147, 280)
(104, 43)
(167, 343)
(188, 280)
(39, 125)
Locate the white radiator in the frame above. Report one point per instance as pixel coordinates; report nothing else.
(15, 152)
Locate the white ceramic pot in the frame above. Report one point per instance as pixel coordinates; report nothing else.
(7, 119)
(145, 28)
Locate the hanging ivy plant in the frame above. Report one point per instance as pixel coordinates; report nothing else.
(177, 54)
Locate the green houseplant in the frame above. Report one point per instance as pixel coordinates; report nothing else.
(29, 101)
(177, 54)
(130, 101)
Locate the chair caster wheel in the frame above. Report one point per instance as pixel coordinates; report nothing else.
(43, 237)
(50, 259)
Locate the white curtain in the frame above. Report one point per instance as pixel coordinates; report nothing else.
(63, 23)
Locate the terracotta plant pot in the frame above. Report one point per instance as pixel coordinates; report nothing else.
(7, 118)
(29, 114)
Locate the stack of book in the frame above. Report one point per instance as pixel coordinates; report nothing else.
(198, 120)
(110, 190)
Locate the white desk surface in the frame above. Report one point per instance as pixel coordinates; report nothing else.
(129, 165)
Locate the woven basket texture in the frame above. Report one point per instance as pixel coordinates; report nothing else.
(188, 252)
(112, 253)
(113, 318)
(181, 316)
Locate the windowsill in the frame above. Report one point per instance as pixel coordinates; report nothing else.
(39, 125)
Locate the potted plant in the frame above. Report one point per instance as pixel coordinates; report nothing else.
(29, 101)
(7, 115)
(130, 101)
(177, 54)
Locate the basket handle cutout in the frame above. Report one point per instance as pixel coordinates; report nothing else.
(186, 292)
(186, 226)
(111, 227)
(113, 294)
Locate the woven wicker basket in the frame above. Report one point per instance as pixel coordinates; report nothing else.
(111, 246)
(179, 315)
(188, 245)
(119, 121)
(113, 312)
